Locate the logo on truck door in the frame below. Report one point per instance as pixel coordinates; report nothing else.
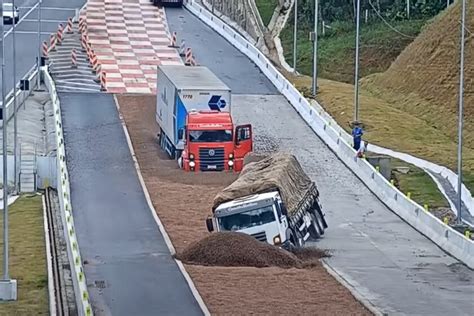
(216, 103)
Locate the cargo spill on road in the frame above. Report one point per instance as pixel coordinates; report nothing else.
(229, 249)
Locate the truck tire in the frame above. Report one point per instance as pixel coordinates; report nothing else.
(320, 222)
(314, 229)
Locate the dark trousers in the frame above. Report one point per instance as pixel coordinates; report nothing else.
(357, 143)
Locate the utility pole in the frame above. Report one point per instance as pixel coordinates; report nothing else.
(461, 108)
(295, 33)
(15, 126)
(7, 285)
(212, 6)
(315, 48)
(38, 77)
(6, 275)
(356, 79)
(408, 9)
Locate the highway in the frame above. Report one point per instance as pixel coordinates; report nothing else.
(396, 268)
(129, 268)
(53, 12)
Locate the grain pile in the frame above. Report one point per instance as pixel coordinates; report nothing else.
(229, 249)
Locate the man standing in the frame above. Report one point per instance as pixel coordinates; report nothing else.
(357, 133)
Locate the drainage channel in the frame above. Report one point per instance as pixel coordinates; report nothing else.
(65, 302)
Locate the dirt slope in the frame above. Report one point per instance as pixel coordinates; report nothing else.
(424, 79)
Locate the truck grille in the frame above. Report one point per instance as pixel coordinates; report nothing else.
(260, 236)
(211, 159)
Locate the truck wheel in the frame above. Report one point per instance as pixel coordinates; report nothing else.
(321, 222)
(314, 229)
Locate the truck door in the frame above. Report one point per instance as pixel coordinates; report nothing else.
(243, 140)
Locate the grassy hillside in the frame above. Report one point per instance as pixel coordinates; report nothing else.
(424, 79)
(379, 47)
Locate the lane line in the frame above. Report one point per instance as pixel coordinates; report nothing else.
(43, 21)
(50, 8)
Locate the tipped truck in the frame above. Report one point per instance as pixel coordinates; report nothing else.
(273, 200)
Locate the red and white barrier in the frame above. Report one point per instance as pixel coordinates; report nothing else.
(59, 34)
(174, 38)
(45, 49)
(69, 26)
(103, 81)
(188, 56)
(182, 48)
(52, 43)
(73, 58)
(84, 42)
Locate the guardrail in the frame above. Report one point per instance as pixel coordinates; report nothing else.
(21, 96)
(414, 214)
(443, 171)
(64, 193)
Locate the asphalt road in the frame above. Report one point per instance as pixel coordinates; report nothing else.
(129, 269)
(53, 12)
(394, 266)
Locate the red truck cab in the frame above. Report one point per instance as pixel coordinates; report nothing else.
(211, 143)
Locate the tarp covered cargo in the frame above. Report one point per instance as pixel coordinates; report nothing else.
(280, 172)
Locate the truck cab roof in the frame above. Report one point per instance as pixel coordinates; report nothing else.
(209, 120)
(245, 202)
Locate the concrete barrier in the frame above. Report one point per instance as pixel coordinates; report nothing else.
(327, 129)
(64, 193)
(21, 96)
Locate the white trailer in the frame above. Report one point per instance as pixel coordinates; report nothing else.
(181, 90)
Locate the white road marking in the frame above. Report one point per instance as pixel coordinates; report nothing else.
(44, 21)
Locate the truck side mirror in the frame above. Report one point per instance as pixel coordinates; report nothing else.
(209, 224)
(180, 133)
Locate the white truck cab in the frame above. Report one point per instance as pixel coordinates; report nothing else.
(262, 216)
(11, 14)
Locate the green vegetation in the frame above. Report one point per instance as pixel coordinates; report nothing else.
(379, 47)
(27, 258)
(266, 8)
(423, 189)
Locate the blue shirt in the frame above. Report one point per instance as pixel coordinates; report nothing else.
(357, 132)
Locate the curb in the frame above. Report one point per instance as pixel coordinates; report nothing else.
(353, 290)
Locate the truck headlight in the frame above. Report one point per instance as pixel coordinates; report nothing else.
(230, 163)
(277, 240)
(192, 164)
(191, 156)
(231, 156)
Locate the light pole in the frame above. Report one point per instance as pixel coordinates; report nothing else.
(6, 275)
(461, 108)
(315, 49)
(356, 79)
(15, 126)
(38, 77)
(295, 31)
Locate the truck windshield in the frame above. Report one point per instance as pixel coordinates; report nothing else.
(247, 219)
(210, 136)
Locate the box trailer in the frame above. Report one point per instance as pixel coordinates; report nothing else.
(193, 113)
